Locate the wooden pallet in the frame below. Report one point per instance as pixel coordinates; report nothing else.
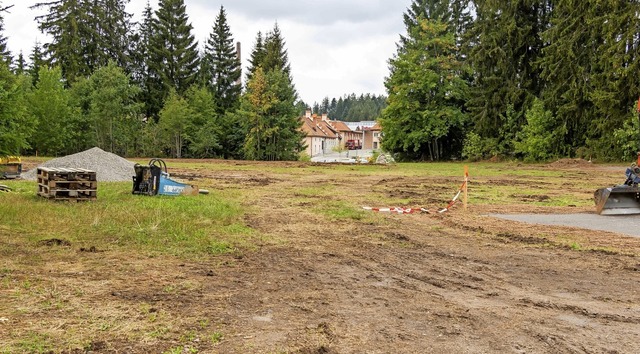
(70, 184)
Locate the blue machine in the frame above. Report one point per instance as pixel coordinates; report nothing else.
(154, 180)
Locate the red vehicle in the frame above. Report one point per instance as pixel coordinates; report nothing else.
(353, 144)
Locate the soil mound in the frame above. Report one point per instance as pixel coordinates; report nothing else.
(108, 167)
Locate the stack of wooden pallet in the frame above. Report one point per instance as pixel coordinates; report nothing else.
(72, 184)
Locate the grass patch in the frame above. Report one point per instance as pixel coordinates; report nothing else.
(183, 225)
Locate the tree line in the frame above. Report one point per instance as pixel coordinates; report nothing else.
(531, 79)
(352, 108)
(145, 89)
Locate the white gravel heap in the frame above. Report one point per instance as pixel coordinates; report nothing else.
(108, 167)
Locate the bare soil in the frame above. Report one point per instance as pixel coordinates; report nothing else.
(458, 282)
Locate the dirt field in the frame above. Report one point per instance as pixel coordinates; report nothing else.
(458, 282)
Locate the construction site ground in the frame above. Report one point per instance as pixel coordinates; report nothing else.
(454, 282)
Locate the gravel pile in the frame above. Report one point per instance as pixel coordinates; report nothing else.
(108, 167)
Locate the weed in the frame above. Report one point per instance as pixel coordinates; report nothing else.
(203, 323)
(216, 337)
(35, 343)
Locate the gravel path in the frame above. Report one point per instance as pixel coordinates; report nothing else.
(624, 224)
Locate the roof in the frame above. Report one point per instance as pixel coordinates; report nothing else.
(318, 128)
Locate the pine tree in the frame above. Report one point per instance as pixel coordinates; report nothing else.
(173, 51)
(222, 65)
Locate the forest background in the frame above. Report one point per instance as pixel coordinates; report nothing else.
(526, 79)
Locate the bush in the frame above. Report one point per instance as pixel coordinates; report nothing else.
(541, 138)
(473, 148)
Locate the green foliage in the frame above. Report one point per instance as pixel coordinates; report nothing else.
(85, 34)
(541, 136)
(205, 124)
(504, 46)
(173, 50)
(626, 139)
(222, 68)
(270, 118)
(352, 108)
(112, 110)
(473, 148)
(51, 106)
(424, 88)
(16, 124)
(174, 123)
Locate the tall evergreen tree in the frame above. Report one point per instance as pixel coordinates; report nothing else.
(223, 66)
(506, 47)
(86, 34)
(275, 55)
(271, 118)
(74, 33)
(115, 32)
(173, 50)
(590, 67)
(423, 119)
(142, 71)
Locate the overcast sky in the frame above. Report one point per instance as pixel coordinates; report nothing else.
(335, 47)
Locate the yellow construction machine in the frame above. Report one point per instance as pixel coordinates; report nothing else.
(10, 167)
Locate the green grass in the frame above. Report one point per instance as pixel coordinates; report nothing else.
(183, 225)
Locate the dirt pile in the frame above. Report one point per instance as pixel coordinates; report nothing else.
(108, 167)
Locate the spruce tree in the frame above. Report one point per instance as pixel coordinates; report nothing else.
(36, 61)
(74, 33)
(275, 54)
(269, 105)
(271, 118)
(20, 65)
(114, 31)
(590, 68)
(142, 68)
(173, 50)
(505, 49)
(222, 68)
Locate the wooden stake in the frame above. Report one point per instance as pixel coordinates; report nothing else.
(466, 185)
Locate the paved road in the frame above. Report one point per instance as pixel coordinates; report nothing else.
(624, 224)
(346, 157)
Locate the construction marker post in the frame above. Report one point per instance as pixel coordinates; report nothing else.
(466, 186)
